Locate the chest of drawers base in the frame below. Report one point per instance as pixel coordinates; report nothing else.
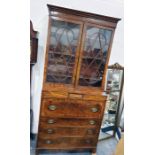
(67, 124)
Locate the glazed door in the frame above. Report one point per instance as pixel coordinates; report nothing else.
(94, 54)
(64, 41)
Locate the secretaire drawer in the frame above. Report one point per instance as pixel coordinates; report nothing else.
(50, 132)
(68, 122)
(66, 142)
(71, 108)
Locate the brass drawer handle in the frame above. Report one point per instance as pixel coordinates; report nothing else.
(48, 142)
(52, 107)
(51, 121)
(50, 131)
(90, 131)
(92, 122)
(94, 109)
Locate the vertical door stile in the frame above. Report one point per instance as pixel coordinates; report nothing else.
(77, 55)
(83, 35)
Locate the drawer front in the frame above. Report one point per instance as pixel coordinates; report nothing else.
(49, 122)
(58, 94)
(60, 108)
(66, 142)
(51, 132)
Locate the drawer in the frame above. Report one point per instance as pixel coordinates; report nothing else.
(58, 94)
(50, 132)
(48, 122)
(72, 108)
(66, 142)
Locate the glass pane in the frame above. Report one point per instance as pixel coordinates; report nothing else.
(114, 80)
(62, 50)
(94, 56)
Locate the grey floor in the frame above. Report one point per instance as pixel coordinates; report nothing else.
(104, 147)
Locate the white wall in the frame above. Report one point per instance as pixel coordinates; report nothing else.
(38, 16)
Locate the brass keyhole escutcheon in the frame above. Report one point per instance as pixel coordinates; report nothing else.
(52, 107)
(48, 142)
(51, 121)
(92, 122)
(88, 141)
(94, 109)
(90, 131)
(50, 131)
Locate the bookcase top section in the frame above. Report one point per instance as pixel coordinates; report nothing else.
(81, 13)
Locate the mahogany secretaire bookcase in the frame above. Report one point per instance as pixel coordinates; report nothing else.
(72, 102)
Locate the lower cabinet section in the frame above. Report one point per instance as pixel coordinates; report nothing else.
(69, 124)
